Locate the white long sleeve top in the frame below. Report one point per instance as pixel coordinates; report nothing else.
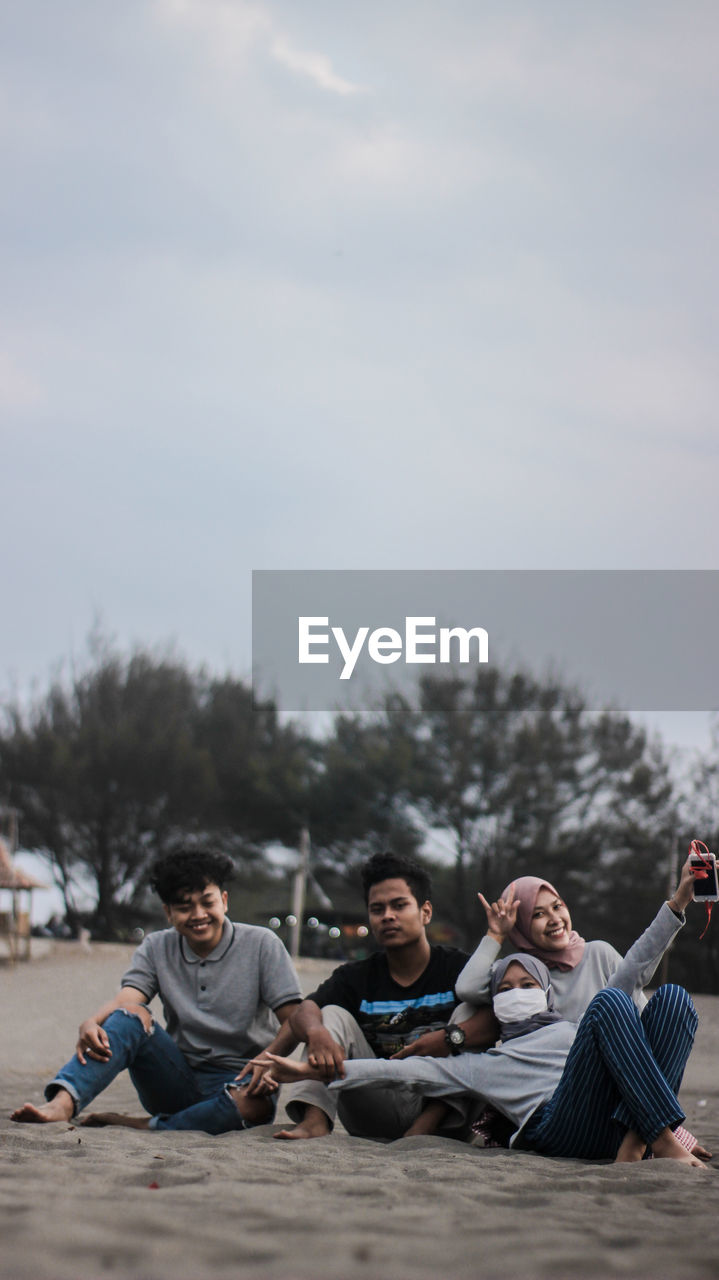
(600, 966)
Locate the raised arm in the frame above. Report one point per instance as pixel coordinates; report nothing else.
(640, 963)
(684, 892)
(473, 982)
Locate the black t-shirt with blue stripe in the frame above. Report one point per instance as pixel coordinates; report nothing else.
(389, 1014)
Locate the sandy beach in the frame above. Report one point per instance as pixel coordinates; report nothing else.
(138, 1206)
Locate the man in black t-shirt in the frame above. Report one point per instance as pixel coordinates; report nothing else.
(396, 1003)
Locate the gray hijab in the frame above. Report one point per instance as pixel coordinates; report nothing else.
(536, 969)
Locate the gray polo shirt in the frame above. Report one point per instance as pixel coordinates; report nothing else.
(218, 1008)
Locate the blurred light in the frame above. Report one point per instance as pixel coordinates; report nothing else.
(313, 922)
(335, 932)
(275, 922)
(291, 921)
(362, 931)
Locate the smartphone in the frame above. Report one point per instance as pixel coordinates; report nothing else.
(706, 889)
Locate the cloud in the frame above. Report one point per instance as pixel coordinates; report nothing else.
(229, 30)
(608, 69)
(17, 390)
(291, 284)
(232, 30)
(315, 66)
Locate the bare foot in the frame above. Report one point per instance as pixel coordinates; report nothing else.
(632, 1148)
(314, 1125)
(61, 1107)
(98, 1120)
(666, 1146)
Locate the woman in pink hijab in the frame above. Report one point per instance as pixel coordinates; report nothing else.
(533, 917)
(542, 925)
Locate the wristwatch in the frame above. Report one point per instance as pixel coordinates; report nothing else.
(454, 1038)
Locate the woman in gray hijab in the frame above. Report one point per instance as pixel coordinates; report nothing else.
(603, 1090)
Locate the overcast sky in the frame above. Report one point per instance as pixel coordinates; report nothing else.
(308, 284)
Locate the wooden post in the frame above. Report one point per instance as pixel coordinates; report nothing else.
(299, 891)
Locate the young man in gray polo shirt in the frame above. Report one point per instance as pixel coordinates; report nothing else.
(227, 992)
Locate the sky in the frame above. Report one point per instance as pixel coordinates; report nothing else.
(372, 285)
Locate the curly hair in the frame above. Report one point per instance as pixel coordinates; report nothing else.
(188, 871)
(395, 866)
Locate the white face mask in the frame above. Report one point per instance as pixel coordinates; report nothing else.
(520, 1003)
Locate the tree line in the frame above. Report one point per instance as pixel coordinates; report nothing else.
(487, 778)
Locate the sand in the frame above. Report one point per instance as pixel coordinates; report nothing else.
(139, 1206)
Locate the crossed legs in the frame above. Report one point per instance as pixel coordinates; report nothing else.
(617, 1094)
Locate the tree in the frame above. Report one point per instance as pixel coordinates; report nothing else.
(133, 757)
(518, 777)
(695, 959)
(360, 799)
(262, 770)
(105, 771)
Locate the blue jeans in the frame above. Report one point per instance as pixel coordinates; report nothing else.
(622, 1072)
(177, 1095)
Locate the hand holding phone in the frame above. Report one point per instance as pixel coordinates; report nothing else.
(704, 870)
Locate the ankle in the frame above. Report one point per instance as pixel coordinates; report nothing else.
(62, 1102)
(316, 1118)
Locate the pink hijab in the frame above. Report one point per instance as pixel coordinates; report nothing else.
(526, 889)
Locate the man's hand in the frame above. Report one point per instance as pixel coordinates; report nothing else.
(261, 1082)
(92, 1041)
(432, 1044)
(501, 915)
(325, 1054)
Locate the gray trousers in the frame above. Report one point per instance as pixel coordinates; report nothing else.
(374, 1110)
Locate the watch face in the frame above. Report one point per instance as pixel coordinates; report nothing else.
(456, 1035)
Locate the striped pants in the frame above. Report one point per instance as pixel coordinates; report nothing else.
(623, 1072)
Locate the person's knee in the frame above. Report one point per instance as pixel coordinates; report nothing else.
(253, 1110)
(672, 993)
(342, 1026)
(612, 1003)
(670, 996)
(133, 1018)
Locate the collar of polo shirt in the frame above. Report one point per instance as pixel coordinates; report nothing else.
(220, 951)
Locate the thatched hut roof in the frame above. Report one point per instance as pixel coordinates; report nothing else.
(11, 877)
